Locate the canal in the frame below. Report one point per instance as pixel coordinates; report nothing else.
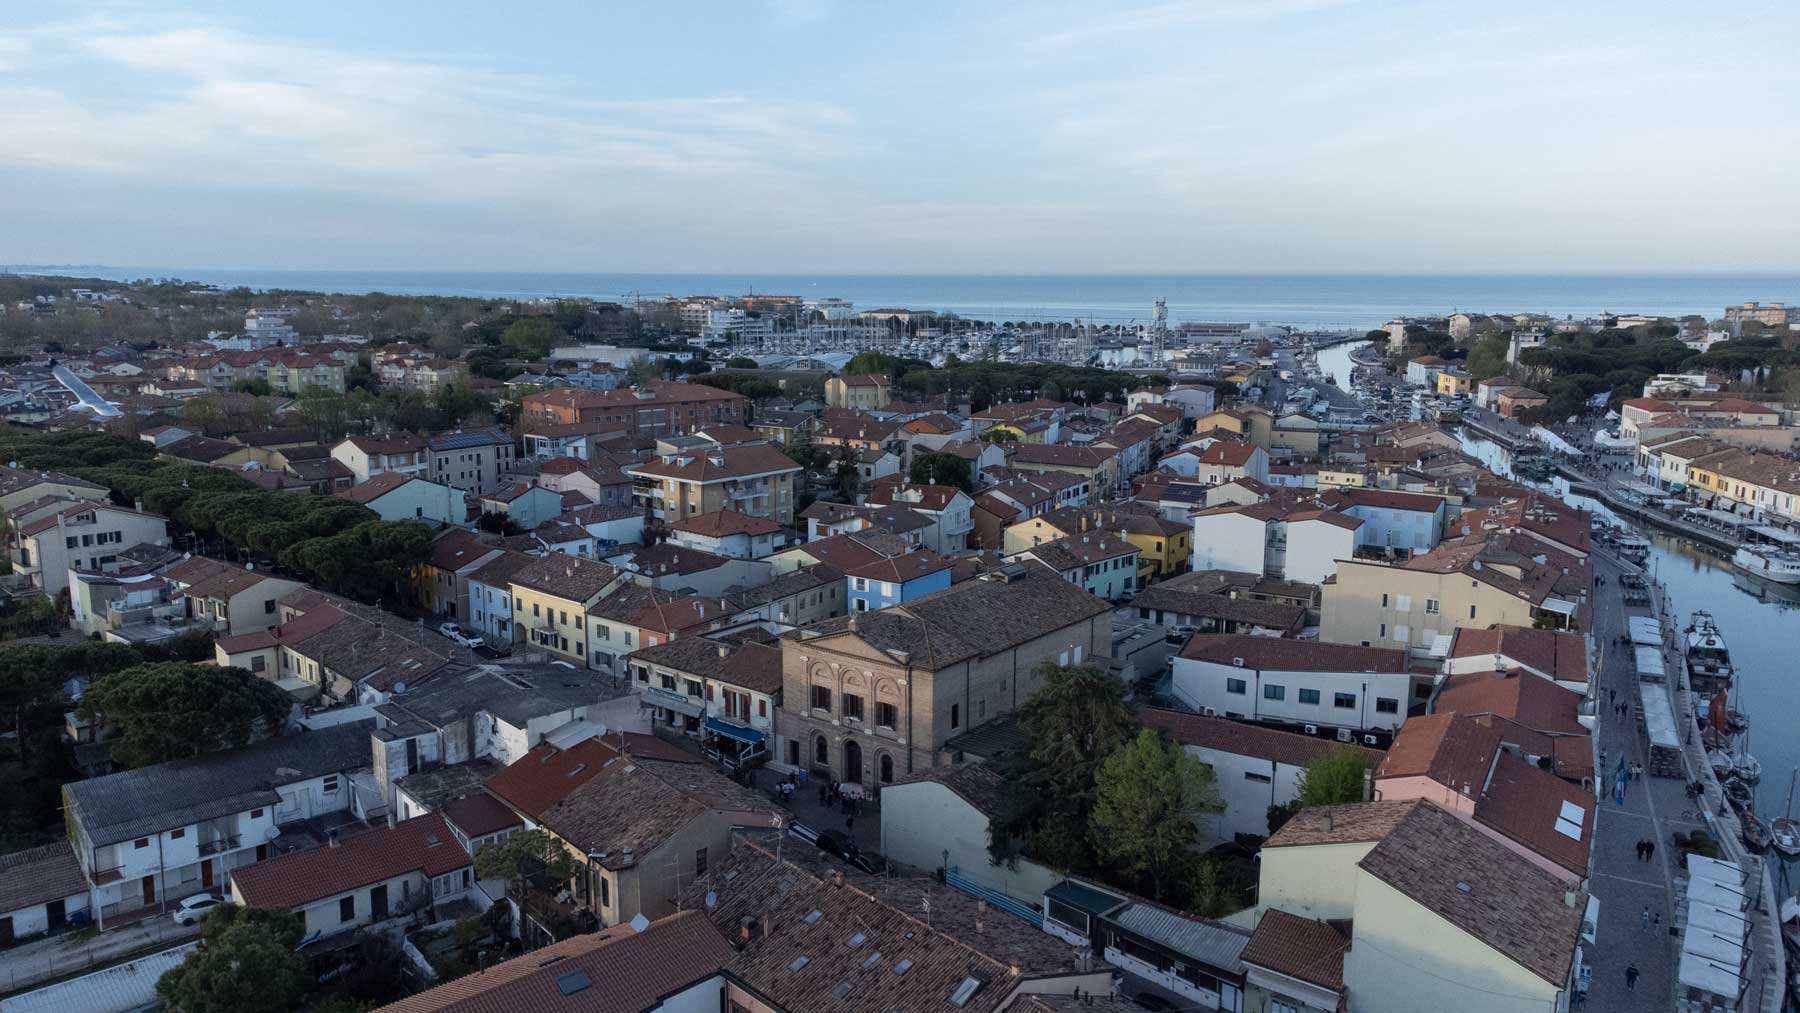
(1755, 616)
(1335, 362)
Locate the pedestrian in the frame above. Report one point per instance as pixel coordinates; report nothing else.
(1631, 977)
(1613, 695)
(1650, 851)
(1645, 918)
(850, 827)
(1656, 920)
(1640, 850)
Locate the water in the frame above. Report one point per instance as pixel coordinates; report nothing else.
(1335, 362)
(1315, 301)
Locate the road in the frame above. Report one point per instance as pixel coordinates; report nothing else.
(1653, 809)
(60, 956)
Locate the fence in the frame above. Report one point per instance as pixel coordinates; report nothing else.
(994, 898)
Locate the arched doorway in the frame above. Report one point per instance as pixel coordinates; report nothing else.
(853, 761)
(821, 752)
(885, 766)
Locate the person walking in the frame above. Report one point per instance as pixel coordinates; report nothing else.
(1649, 850)
(1645, 919)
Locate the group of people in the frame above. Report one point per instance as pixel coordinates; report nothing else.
(1646, 850)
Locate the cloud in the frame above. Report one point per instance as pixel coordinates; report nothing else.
(1180, 14)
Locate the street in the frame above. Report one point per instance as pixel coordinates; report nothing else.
(28, 966)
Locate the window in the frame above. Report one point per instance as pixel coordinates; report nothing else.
(821, 698)
(1250, 775)
(605, 632)
(269, 607)
(329, 784)
(853, 706)
(178, 833)
(256, 814)
(1309, 696)
(1384, 600)
(534, 610)
(886, 714)
(1238, 686)
(1471, 611)
(692, 687)
(142, 842)
(1431, 606)
(1343, 699)
(821, 751)
(668, 682)
(700, 862)
(258, 663)
(956, 715)
(606, 892)
(762, 708)
(1386, 705)
(1274, 692)
(347, 908)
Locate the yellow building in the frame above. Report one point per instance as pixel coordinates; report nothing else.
(1224, 419)
(866, 391)
(551, 597)
(1335, 479)
(1453, 381)
(1466, 583)
(1164, 546)
(755, 479)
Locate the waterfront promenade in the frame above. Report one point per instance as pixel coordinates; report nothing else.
(1656, 808)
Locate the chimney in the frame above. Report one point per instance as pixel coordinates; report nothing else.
(765, 925)
(1569, 896)
(1368, 783)
(837, 877)
(746, 929)
(980, 914)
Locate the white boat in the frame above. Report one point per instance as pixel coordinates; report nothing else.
(1768, 563)
(1747, 768)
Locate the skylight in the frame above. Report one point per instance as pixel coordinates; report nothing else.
(571, 983)
(871, 960)
(799, 962)
(965, 991)
(857, 940)
(1569, 821)
(812, 917)
(902, 966)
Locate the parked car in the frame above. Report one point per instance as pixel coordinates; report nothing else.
(458, 634)
(194, 908)
(1178, 635)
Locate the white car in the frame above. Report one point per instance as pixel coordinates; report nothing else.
(194, 908)
(458, 634)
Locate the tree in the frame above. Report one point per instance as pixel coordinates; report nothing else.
(1078, 716)
(871, 362)
(1335, 777)
(523, 858)
(1147, 796)
(1051, 391)
(533, 336)
(167, 710)
(245, 963)
(740, 362)
(940, 469)
(1488, 358)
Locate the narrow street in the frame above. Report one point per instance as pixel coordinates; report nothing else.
(59, 956)
(1653, 809)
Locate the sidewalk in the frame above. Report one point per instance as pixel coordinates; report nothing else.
(27, 966)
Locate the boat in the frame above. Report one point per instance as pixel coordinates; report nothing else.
(1767, 563)
(1633, 548)
(1738, 793)
(1708, 659)
(1784, 835)
(1721, 763)
(1747, 768)
(1756, 832)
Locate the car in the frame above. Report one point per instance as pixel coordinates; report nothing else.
(838, 843)
(1178, 635)
(458, 634)
(194, 908)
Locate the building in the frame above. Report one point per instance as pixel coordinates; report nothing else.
(232, 599)
(1297, 542)
(443, 579)
(1550, 655)
(785, 428)
(1201, 609)
(550, 598)
(938, 818)
(1323, 689)
(728, 693)
(862, 391)
(1474, 581)
(598, 479)
(1359, 904)
(946, 507)
(525, 505)
(404, 496)
(755, 479)
(57, 536)
(728, 533)
(390, 872)
(472, 461)
(153, 835)
(887, 582)
(41, 890)
(1404, 521)
(658, 408)
(876, 695)
(1255, 767)
(1100, 467)
(369, 456)
(1103, 565)
(490, 599)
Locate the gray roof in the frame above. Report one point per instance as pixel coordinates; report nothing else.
(513, 693)
(136, 803)
(1208, 942)
(39, 875)
(976, 618)
(793, 582)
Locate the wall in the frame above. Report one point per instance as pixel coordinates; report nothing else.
(1396, 940)
(567, 619)
(1352, 612)
(323, 916)
(254, 607)
(29, 920)
(1313, 549)
(1315, 881)
(1247, 801)
(1230, 542)
(1203, 684)
(922, 820)
(422, 500)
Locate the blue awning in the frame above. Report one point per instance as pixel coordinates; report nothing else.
(746, 735)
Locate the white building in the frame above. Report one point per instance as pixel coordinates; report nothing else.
(1396, 520)
(398, 496)
(1338, 689)
(56, 536)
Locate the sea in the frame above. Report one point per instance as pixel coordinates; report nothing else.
(1309, 301)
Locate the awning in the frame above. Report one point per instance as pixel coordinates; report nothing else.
(720, 726)
(657, 697)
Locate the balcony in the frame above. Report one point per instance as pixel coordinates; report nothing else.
(122, 612)
(219, 845)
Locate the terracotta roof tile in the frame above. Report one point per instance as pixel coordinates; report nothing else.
(423, 844)
(1280, 653)
(1312, 951)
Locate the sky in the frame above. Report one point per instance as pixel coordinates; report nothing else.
(920, 137)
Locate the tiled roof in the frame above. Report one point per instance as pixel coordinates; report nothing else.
(745, 664)
(498, 572)
(561, 575)
(1282, 654)
(722, 523)
(668, 559)
(1242, 739)
(40, 875)
(1452, 749)
(1481, 887)
(387, 443)
(546, 775)
(901, 569)
(480, 815)
(975, 783)
(376, 487)
(1073, 552)
(1312, 951)
(626, 971)
(719, 465)
(633, 806)
(1534, 702)
(679, 614)
(1351, 823)
(1268, 614)
(1562, 656)
(1524, 804)
(1228, 453)
(458, 549)
(1058, 455)
(423, 844)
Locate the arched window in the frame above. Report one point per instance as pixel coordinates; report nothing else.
(821, 751)
(887, 769)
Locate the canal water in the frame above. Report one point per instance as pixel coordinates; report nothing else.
(1335, 362)
(1756, 617)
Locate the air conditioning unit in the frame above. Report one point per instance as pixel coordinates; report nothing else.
(1370, 740)
(1312, 729)
(1237, 663)
(1211, 712)
(1346, 735)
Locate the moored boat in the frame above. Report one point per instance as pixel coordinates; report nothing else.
(1708, 659)
(1738, 793)
(1747, 768)
(1756, 832)
(1784, 835)
(1767, 563)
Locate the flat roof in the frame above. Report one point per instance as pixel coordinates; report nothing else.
(1658, 716)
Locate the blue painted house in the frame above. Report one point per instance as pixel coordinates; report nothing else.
(891, 581)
